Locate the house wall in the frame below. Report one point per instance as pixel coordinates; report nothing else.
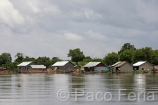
(25, 68)
(101, 69)
(146, 67)
(127, 67)
(66, 68)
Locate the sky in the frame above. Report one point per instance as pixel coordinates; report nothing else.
(52, 27)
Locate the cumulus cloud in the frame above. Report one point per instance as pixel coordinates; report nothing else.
(9, 15)
(74, 37)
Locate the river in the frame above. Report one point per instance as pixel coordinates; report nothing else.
(83, 89)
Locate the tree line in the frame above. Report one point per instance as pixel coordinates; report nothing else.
(127, 52)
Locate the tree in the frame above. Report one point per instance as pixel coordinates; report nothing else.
(43, 61)
(55, 59)
(111, 58)
(76, 55)
(27, 58)
(4, 58)
(97, 60)
(127, 46)
(85, 61)
(127, 55)
(148, 53)
(154, 57)
(19, 57)
(143, 54)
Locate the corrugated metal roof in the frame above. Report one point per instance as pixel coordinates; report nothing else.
(120, 64)
(116, 63)
(38, 66)
(25, 63)
(92, 64)
(60, 63)
(139, 63)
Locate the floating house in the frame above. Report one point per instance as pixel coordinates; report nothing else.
(30, 67)
(96, 67)
(63, 66)
(122, 67)
(143, 66)
(38, 68)
(25, 66)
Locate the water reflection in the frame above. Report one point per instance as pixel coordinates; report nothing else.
(40, 89)
(139, 81)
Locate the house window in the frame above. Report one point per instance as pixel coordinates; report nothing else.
(142, 68)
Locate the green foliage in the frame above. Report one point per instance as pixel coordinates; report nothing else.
(127, 55)
(55, 59)
(127, 46)
(111, 58)
(4, 58)
(19, 57)
(154, 57)
(43, 61)
(76, 55)
(143, 54)
(97, 60)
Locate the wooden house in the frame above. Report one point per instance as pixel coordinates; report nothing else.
(38, 69)
(63, 66)
(143, 66)
(95, 67)
(24, 66)
(122, 67)
(30, 67)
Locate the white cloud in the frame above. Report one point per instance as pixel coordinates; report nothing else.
(9, 15)
(109, 24)
(72, 36)
(33, 6)
(54, 10)
(91, 14)
(94, 35)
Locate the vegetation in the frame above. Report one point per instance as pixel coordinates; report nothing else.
(127, 53)
(76, 55)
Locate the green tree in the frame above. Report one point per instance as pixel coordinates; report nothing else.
(11, 66)
(19, 57)
(27, 58)
(43, 61)
(148, 53)
(4, 58)
(85, 61)
(143, 54)
(76, 55)
(111, 58)
(139, 55)
(127, 46)
(154, 57)
(97, 60)
(127, 55)
(55, 59)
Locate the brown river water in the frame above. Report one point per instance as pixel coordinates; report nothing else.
(85, 89)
